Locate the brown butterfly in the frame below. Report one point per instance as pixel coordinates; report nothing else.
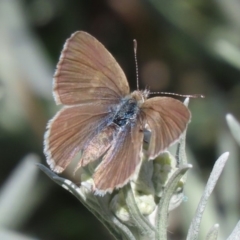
(102, 118)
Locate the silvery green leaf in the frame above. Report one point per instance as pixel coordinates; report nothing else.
(20, 184)
(6, 234)
(141, 221)
(234, 127)
(164, 167)
(217, 170)
(235, 233)
(162, 213)
(213, 233)
(95, 204)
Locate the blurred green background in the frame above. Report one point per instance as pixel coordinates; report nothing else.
(185, 47)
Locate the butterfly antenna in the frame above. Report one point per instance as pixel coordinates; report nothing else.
(180, 95)
(136, 63)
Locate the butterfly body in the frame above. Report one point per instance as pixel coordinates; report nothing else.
(129, 108)
(103, 119)
(126, 113)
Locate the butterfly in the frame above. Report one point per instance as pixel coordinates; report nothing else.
(103, 119)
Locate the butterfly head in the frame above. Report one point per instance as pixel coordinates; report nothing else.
(140, 96)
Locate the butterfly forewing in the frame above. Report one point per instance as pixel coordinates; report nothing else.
(70, 130)
(87, 72)
(167, 119)
(121, 161)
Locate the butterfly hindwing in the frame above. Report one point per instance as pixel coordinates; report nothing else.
(70, 131)
(121, 161)
(167, 119)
